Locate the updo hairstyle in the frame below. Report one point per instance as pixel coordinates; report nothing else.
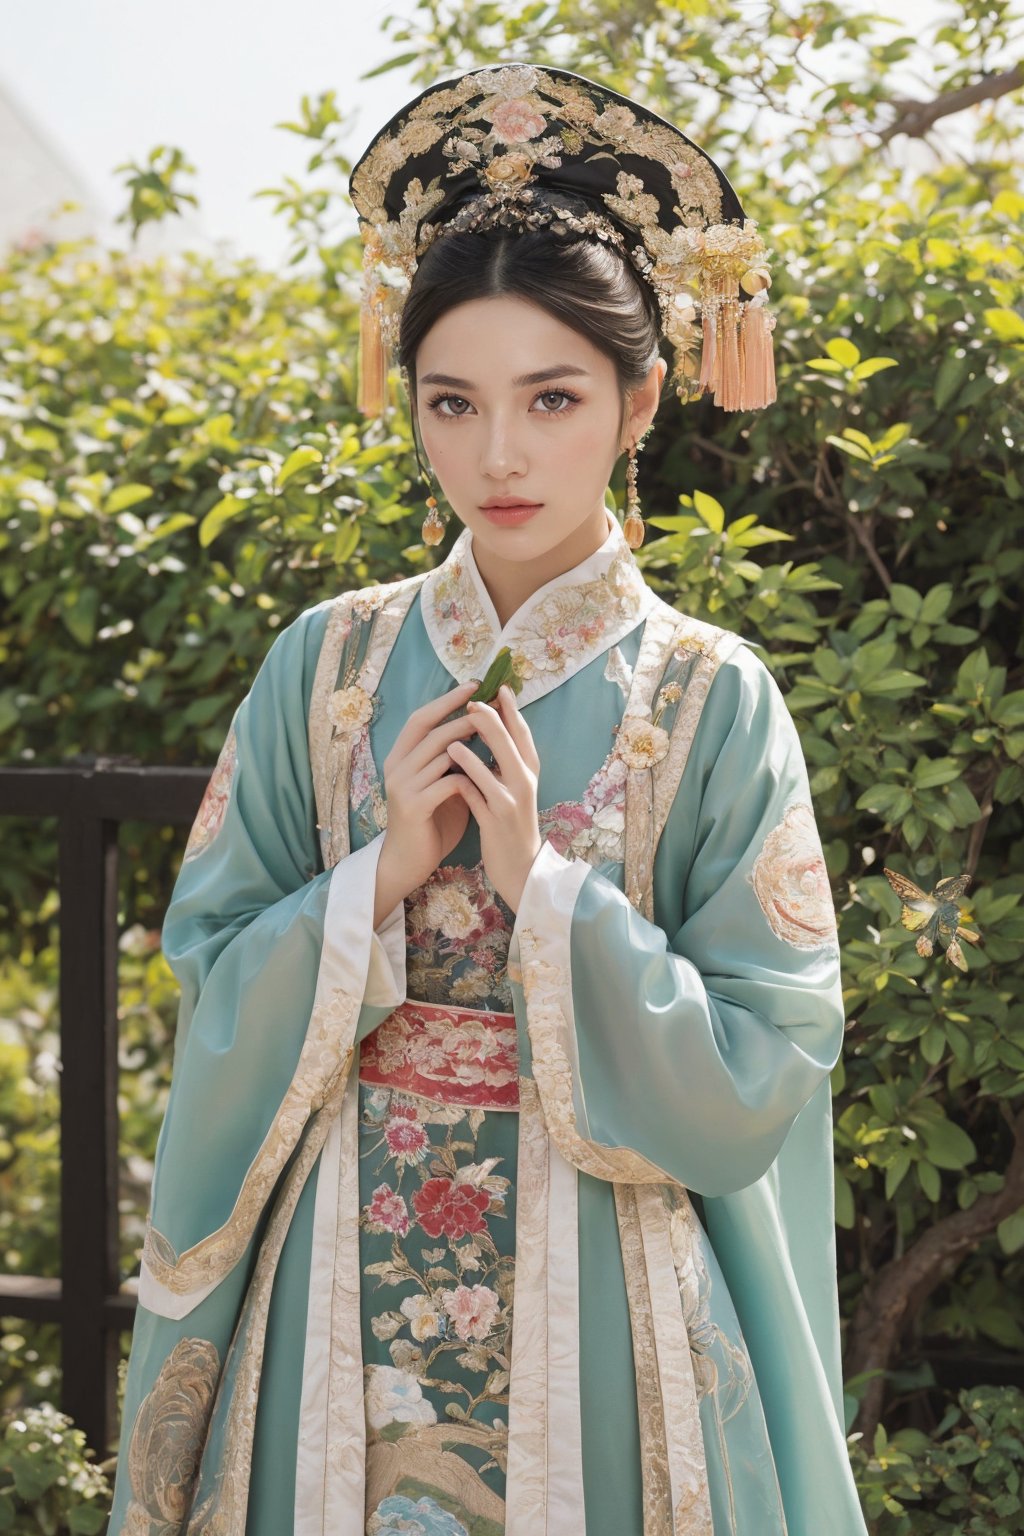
(584, 282)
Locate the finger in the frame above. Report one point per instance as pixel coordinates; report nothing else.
(495, 732)
(428, 715)
(472, 796)
(517, 727)
(436, 794)
(481, 776)
(436, 768)
(432, 749)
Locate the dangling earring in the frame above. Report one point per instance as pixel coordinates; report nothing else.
(432, 530)
(433, 524)
(633, 528)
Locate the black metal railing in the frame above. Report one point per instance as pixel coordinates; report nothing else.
(88, 1302)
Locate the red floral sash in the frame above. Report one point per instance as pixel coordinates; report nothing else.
(455, 1055)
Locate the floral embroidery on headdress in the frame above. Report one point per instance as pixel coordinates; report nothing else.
(520, 147)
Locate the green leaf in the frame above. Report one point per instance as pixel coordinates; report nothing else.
(843, 350)
(1010, 1232)
(905, 600)
(931, 771)
(79, 611)
(218, 517)
(1010, 709)
(711, 512)
(853, 449)
(173, 524)
(936, 603)
(126, 496)
(928, 1178)
(873, 365)
(299, 458)
(897, 1171)
(1007, 324)
(947, 1144)
(845, 1213)
(952, 374)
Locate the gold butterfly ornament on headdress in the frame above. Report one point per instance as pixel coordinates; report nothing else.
(936, 916)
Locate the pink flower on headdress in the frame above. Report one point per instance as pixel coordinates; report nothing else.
(516, 120)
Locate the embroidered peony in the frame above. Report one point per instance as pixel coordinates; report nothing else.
(472, 1309)
(426, 1517)
(516, 121)
(455, 903)
(387, 1211)
(445, 1208)
(639, 743)
(395, 1397)
(350, 707)
(424, 1316)
(406, 1140)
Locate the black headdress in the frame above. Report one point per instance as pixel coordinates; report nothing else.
(521, 147)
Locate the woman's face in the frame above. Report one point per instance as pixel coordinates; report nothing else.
(513, 403)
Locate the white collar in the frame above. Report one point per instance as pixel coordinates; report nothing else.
(565, 624)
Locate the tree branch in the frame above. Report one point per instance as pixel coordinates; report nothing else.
(895, 1294)
(915, 118)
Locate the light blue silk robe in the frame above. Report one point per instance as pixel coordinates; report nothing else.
(332, 1262)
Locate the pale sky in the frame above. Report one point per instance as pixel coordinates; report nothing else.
(103, 81)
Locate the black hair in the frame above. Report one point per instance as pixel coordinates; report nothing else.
(583, 282)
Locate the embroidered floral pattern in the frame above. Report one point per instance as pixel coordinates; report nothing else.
(457, 1055)
(640, 743)
(168, 1433)
(791, 882)
(433, 1224)
(350, 707)
(214, 805)
(563, 626)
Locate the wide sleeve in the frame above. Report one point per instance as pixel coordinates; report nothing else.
(685, 1048)
(281, 974)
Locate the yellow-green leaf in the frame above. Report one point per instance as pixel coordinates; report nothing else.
(123, 496)
(219, 514)
(299, 458)
(844, 351)
(872, 365)
(853, 449)
(1007, 324)
(710, 511)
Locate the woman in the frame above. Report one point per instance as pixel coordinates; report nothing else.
(494, 1193)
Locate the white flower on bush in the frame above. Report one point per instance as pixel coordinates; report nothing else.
(395, 1397)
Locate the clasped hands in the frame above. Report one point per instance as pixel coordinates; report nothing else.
(429, 805)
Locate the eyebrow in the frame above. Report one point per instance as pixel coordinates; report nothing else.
(560, 371)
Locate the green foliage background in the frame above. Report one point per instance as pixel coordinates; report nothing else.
(183, 470)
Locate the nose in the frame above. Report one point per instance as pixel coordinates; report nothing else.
(502, 453)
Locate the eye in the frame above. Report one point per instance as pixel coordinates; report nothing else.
(559, 394)
(439, 400)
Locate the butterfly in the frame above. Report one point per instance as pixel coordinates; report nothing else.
(936, 917)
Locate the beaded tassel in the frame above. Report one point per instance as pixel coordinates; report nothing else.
(633, 528)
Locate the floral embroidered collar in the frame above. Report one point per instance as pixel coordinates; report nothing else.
(565, 624)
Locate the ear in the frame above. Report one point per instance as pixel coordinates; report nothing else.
(642, 404)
